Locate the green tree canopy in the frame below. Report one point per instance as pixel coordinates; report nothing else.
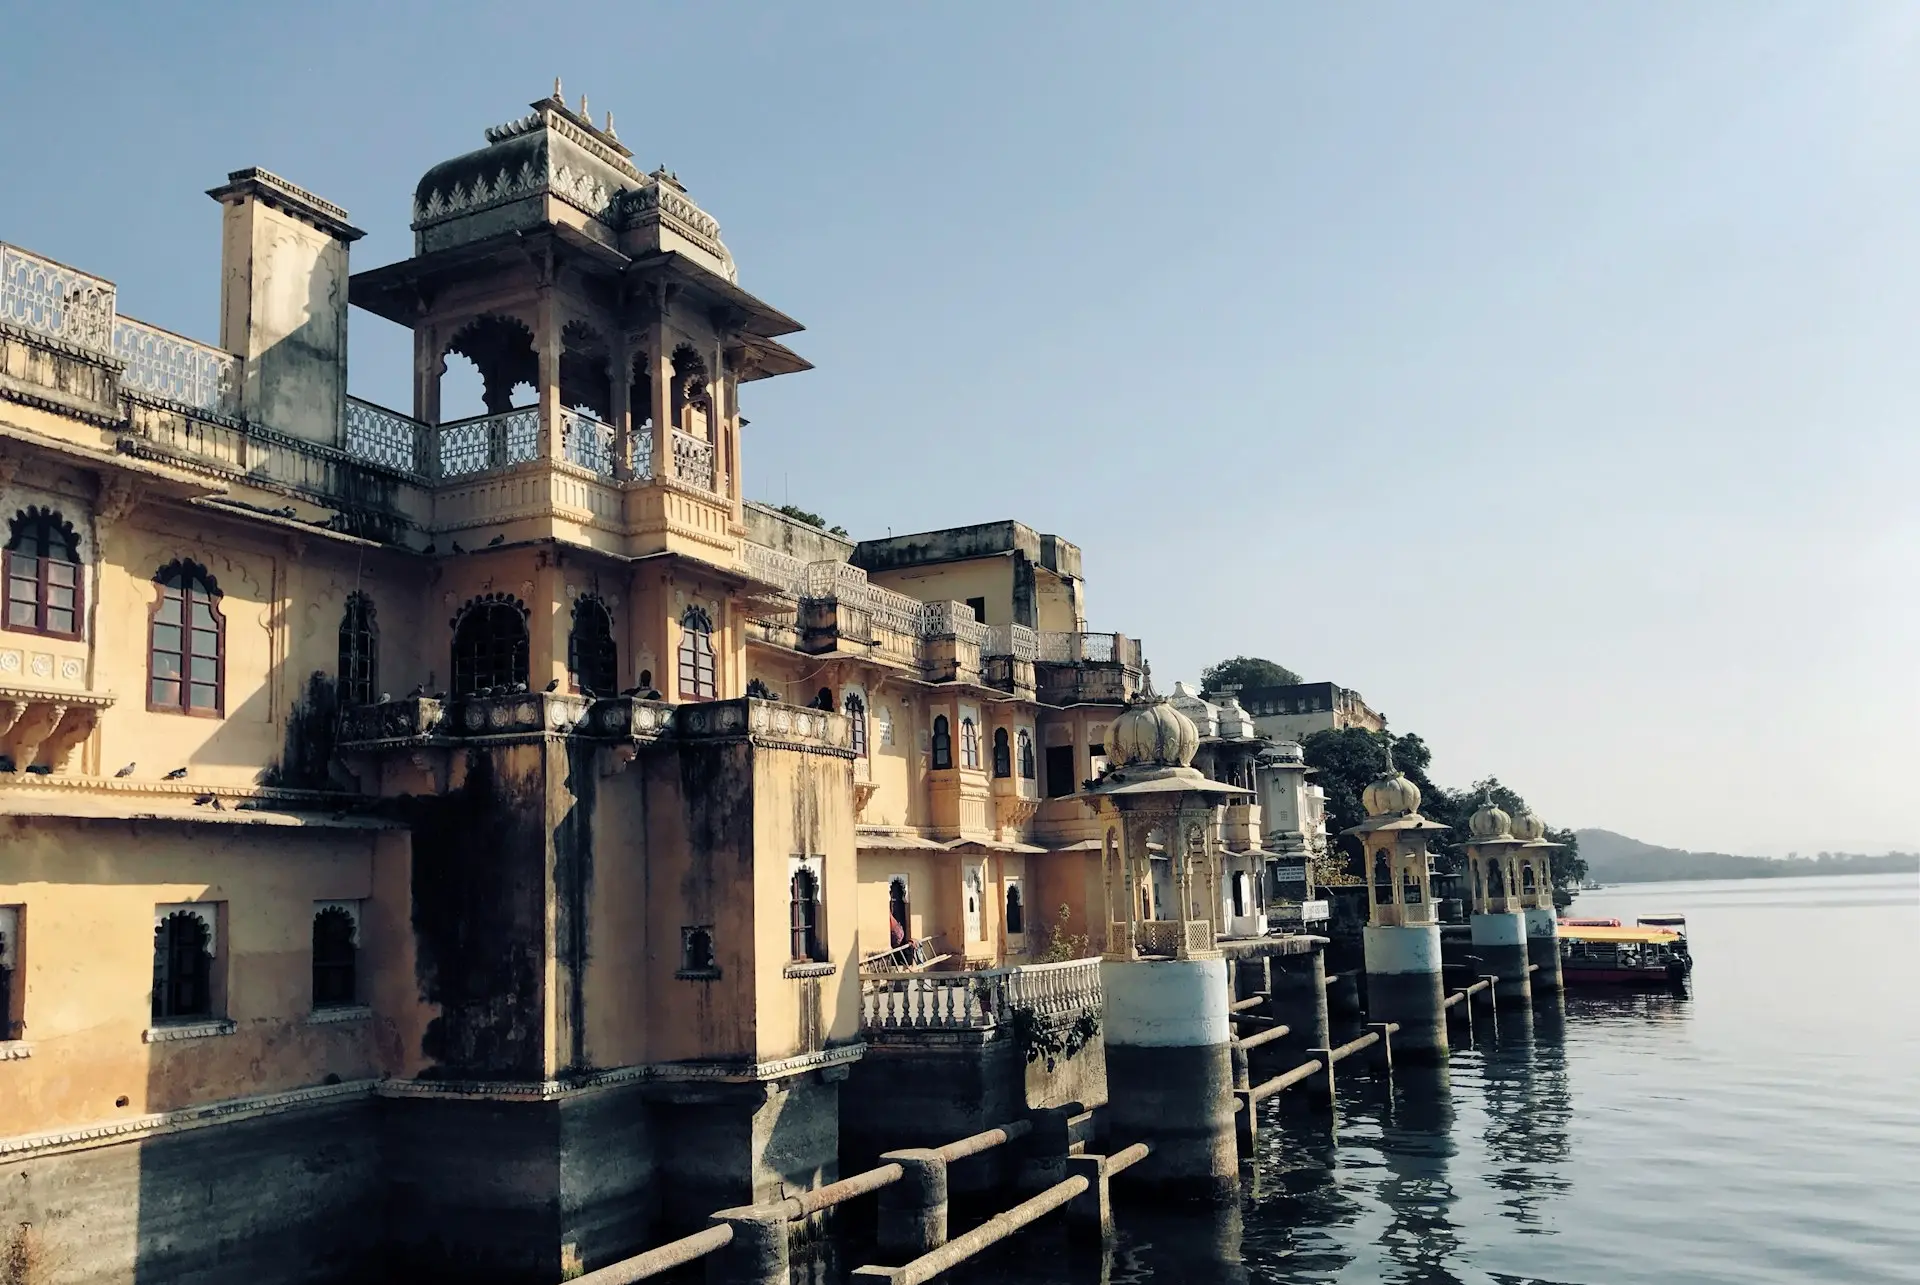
(1243, 672)
(799, 514)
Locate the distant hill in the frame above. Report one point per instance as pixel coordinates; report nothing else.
(1614, 858)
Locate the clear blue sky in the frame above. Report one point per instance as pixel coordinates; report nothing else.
(1544, 372)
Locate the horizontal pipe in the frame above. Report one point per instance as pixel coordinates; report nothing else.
(991, 1232)
(1351, 1047)
(1242, 1005)
(987, 1141)
(1263, 1037)
(1454, 998)
(1280, 1083)
(1127, 1158)
(675, 1253)
(812, 1202)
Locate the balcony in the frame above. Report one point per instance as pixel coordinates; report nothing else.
(900, 1007)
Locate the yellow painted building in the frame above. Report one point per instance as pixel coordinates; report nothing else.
(455, 842)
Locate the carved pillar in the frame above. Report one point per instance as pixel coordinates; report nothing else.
(429, 365)
(22, 743)
(620, 395)
(548, 346)
(660, 369)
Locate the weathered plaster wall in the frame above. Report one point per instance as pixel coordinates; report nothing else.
(283, 307)
(991, 578)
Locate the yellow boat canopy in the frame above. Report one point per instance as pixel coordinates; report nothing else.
(1644, 936)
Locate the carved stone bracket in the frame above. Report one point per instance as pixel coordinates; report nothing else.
(863, 792)
(46, 725)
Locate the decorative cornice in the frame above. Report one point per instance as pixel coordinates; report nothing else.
(803, 971)
(331, 1016)
(15, 1050)
(189, 1030)
(165, 1122)
(270, 188)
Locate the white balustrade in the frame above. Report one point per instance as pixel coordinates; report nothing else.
(978, 1000)
(693, 460)
(381, 436)
(57, 301)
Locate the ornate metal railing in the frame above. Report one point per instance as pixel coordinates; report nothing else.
(977, 1000)
(57, 301)
(693, 460)
(384, 437)
(488, 441)
(1092, 649)
(164, 365)
(640, 454)
(586, 441)
(1016, 641)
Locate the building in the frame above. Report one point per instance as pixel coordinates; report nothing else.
(1295, 711)
(509, 805)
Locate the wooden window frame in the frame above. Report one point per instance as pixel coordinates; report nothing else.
(590, 605)
(480, 612)
(359, 643)
(803, 918)
(855, 707)
(48, 531)
(1029, 769)
(942, 743)
(188, 573)
(687, 679)
(969, 743)
(348, 964)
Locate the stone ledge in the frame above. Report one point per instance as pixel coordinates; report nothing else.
(189, 1031)
(15, 1050)
(163, 1122)
(823, 969)
(342, 1013)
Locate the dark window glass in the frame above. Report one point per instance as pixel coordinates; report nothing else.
(591, 655)
(335, 959)
(1002, 753)
(1026, 755)
(805, 916)
(182, 968)
(359, 652)
(43, 577)
(942, 742)
(699, 952)
(696, 656)
(978, 606)
(1060, 782)
(1016, 913)
(899, 914)
(969, 744)
(186, 669)
(489, 647)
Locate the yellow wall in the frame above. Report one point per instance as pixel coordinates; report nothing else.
(989, 578)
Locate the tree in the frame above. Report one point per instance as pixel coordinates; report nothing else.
(799, 514)
(1243, 672)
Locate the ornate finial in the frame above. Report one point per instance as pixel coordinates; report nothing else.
(1391, 770)
(557, 96)
(609, 129)
(585, 115)
(1146, 680)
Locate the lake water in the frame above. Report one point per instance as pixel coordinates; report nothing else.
(1765, 1128)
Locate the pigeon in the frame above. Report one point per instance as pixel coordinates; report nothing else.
(125, 771)
(517, 688)
(203, 800)
(40, 769)
(553, 685)
(419, 689)
(385, 697)
(652, 694)
(632, 691)
(588, 693)
(497, 541)
(457, 548)
(175, 775)
(431, 548)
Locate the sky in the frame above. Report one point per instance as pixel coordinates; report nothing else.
(1545, 373)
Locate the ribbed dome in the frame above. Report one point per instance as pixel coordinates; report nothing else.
(1152, 733)
(1489, 821)
(1527, 827)
(1391, 795)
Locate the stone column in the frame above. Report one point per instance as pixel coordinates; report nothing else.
(660, 369)
(1403, 985)
(620, 397)
(1170, 1073)
(1500, 942)
(1300, 1002)
(1543, 949)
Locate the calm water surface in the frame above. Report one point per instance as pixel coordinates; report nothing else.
(1765, 1128)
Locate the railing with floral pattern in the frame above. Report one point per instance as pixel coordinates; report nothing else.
(952, 620)
(1092, 649)
(1016, 641)
(693, 460)
(640, 454)
(384, 437)
(164, 365)
(54, 300)
(776, 568)
(586, 441)
(489, 441)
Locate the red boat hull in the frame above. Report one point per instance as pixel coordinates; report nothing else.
(1575, 976)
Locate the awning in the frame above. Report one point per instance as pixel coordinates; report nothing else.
(895, 840)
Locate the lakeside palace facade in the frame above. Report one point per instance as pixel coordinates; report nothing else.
(458, 842)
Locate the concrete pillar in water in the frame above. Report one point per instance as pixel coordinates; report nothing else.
(1543, 949)
(1300, 1002)
(1500, 941)
(1170, 1073)
(1403, 985)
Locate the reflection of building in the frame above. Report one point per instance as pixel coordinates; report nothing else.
(1294, 711)
(401, 845)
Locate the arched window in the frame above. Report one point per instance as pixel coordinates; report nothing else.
(1526, 877)
(696, 656)
(1496, 885)
(359, 652)
(899, 912)
(805, 915)
(591, 657)
(44, 583)
(336, 954)
(490, 646)
(1239, 890)
(1382, 879)
(186, 643)
(1016, 912)
(182, 967)
(823, 699)
(942, 742)
(1410, 891)
(1002, 753)
(856, 709)
(696, 954)
(969, 744)
(1027, 772)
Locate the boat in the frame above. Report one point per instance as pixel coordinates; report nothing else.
(1609, 953)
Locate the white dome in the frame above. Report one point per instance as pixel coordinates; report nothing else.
(1391, 795)
(1152, 733)
(1527, 827)
(1489, 821)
